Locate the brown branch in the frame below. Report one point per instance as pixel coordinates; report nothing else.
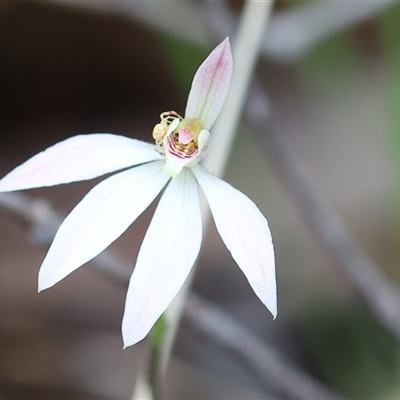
(44, 221)
(269, 364)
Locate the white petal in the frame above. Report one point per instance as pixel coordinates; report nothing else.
(100, 218)
(210, 86)
(79, 158)
(245, 233)
(171, 127)
(174, 165)
(204, 141)
(168, 253)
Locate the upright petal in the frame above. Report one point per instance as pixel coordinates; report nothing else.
(79, 158)
(210, 86)
(245, 233)
(100, 218)
(168, 253)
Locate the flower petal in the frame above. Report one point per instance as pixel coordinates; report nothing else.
(168, 253)
(245, 233)
(210, 86)
(100, 218)
(79, 158)
(174, 165)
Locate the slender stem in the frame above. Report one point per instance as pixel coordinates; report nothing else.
(154, 372)
(246, 51)
(142, 388)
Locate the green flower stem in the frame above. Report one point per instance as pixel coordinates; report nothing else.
(156, 337)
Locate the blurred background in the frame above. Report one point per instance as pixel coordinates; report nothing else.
(333, 78)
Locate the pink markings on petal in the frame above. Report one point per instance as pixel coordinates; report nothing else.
(185, 136)
(210, 85)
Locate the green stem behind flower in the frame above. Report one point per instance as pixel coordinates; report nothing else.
(156, 337)
(246, 49)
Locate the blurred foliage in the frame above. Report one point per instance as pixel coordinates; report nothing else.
(334, 57)
(70, 62)
(390, 23)
(158, 331)
(356, 356)
(185, 57)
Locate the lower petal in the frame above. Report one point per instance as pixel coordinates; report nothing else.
(168, 253)
(99, 219)
(174, 165)
(245, 233)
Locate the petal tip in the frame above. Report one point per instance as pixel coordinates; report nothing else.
(44, 280)
(226, 42)
(131, 337)
(271, 304)
(125, 345)
(43, 285)
(210, 85)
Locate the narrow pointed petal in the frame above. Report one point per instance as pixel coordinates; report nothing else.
(79, 158)
(245, 233)
(168, 253)
(210, 86)
(100, 218)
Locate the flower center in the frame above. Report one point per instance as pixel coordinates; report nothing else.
(183, 140)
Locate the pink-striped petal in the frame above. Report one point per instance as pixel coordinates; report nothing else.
(210, 86)
(245, 232)
(79, 158)
(100, 218)
(168, 253)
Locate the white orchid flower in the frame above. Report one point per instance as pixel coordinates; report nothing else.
(172, 242)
